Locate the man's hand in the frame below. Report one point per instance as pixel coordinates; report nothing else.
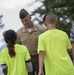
(41, 73)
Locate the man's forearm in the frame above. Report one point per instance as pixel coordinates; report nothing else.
(41, 60)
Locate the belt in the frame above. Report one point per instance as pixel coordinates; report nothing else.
(35, 55)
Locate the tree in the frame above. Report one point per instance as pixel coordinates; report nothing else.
(63, 9)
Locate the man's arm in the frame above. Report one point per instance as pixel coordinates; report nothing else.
(41, 61)
(18, 39)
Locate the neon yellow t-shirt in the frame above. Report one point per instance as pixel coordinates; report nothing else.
(16, 65)
(55, 44)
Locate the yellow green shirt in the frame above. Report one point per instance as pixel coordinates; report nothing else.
(16, 65)
(55, 44)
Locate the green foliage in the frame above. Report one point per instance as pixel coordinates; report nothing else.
(63, 9)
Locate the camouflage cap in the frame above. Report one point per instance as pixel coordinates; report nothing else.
(23, 13)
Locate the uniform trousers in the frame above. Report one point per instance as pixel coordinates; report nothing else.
(35, 63)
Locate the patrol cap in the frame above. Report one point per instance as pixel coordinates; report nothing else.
(23, 13)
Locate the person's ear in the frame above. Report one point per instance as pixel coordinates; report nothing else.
(45, 23)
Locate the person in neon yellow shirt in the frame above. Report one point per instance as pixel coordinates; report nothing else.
(15, 58)
(52, 48)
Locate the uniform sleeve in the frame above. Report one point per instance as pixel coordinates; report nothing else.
(41, 29)
(72, 34)
(68, 43)
(27, 55)
(41, 46)
(2, 58)
(18, 39)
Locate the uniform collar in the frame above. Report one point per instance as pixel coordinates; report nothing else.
(33, 29)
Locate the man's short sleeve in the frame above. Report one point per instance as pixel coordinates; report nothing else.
(41, 46)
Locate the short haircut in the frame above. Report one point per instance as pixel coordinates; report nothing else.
(49, 17)
(23, 13)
